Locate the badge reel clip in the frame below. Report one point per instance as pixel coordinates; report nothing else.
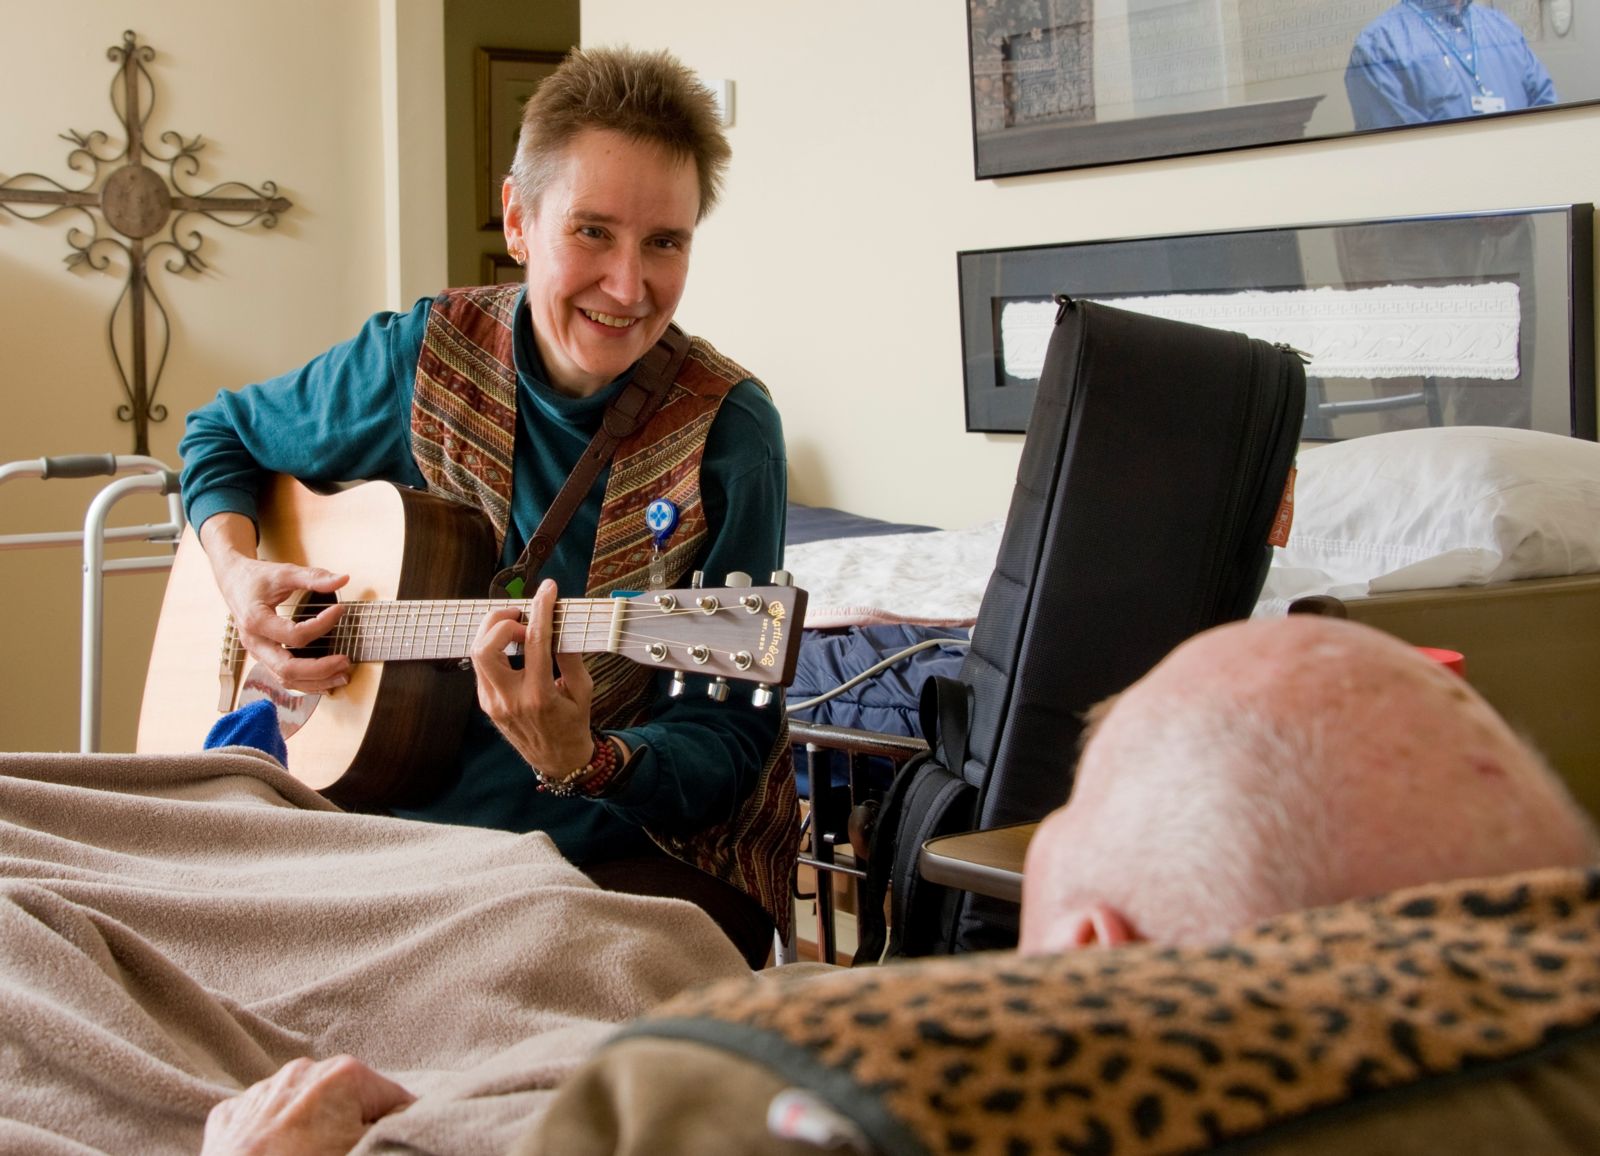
(661, 516)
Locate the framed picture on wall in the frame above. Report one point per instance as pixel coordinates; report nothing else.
(505, 79)
(1466, 319)
(499, 269)
(1063, 84)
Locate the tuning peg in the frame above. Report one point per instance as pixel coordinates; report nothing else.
(762, 695)
(736, 578)
(717, 690)
(677, 686)
(697, 579)
(782, 578)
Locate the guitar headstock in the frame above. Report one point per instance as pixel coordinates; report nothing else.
(736, 632)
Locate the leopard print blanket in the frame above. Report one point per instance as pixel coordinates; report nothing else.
(1155, 1051)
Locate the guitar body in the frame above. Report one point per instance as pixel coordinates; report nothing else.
(390, 735)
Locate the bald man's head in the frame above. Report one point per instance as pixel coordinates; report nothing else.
(1272, 765)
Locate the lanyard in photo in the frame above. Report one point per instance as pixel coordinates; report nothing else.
(1468, 62)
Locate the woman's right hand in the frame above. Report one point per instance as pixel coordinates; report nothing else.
(254, 590)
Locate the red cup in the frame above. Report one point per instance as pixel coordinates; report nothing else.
(1453, 659)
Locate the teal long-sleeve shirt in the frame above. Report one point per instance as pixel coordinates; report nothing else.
(346, 416)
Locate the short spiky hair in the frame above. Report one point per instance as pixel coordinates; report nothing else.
(645, 96)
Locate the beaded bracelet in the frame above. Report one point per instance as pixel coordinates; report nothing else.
(606, 773)
(589, 778)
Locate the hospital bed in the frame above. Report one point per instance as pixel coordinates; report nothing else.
(1473, 539)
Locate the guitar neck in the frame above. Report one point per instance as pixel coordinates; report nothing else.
(742, 632)
(425, 630)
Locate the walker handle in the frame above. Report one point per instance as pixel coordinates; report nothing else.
(78, 466)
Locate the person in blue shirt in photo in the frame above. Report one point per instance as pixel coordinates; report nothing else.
(1433, 60)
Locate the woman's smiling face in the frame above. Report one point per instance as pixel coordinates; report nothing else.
(608, 255)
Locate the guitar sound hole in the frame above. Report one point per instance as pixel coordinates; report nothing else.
(311, 605)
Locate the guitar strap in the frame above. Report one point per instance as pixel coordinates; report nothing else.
(634, 405)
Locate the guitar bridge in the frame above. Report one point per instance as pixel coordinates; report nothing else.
(229, 666)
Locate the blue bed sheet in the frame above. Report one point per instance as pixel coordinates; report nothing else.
(820, 523)
(887, 702)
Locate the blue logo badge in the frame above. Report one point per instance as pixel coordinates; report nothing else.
(662, 518)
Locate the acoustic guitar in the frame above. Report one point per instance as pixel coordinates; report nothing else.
(383, 739)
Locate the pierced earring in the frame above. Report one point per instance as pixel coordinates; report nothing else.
(519, 255)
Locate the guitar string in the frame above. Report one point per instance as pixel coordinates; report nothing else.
(456, 619)
(410, 609)
(589, 639)
(376, 615)
(476, 609)
(448, 621)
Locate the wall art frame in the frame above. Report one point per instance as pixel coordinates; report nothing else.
(503, 80)
(499, 269)
(1455, 319)
(1065, 84)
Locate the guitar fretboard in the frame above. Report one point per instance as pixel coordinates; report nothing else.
(427, 630)
(733, 633)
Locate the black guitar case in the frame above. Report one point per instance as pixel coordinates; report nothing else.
(1156, 464)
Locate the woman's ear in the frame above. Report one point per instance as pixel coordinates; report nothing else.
(512, 222)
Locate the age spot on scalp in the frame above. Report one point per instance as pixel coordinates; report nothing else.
(1489, 768)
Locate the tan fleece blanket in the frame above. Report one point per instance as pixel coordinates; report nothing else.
(173, 929)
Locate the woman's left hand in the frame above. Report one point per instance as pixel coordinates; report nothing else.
(543, 715)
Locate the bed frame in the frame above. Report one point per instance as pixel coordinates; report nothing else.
(1532, 649)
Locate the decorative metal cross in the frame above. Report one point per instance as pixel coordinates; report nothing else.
(138, 204)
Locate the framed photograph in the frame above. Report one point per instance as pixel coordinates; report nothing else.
(505, 79)
(499, 269)
(1466, 319)
(1063, 84)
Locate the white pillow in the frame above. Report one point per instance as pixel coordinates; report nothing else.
(1420, 509)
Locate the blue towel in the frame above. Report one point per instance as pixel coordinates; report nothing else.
(252, 725)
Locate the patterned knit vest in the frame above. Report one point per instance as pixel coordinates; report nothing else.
(463, 430)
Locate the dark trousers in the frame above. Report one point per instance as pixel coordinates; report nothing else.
(659, 874)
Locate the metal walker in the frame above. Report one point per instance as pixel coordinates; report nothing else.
(135, 474)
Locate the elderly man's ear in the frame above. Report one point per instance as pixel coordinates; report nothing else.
(1094, 925)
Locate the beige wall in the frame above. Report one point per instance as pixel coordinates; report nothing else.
(830, 269)
(294, 95)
